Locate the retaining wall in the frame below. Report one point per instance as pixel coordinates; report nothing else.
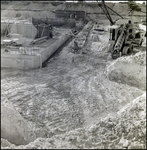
(28, 61)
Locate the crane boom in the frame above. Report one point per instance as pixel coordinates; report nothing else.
(104, 8)
(107, 13)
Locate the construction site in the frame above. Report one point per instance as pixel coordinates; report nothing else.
(73, 75)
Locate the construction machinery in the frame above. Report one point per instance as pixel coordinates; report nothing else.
(123, 36)
(121, 39)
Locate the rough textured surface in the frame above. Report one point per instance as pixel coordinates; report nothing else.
(14, 127)
(127, 130)
(121, 9)
(129, 70)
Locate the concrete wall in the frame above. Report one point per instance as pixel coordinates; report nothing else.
(29, 61)
(26, 30)
(19, 61)
(47, 52)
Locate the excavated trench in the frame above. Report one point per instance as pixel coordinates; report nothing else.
(44, 64)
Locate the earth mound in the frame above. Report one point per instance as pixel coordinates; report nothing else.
(129, 70)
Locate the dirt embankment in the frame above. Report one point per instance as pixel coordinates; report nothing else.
(14, 127)
(129, 70)
(45, 9)
(26, 10)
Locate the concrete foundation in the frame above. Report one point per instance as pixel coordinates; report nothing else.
(33, 55)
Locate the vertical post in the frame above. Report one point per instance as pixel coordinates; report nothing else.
(43, 30)
(37, 30)
(32, 30)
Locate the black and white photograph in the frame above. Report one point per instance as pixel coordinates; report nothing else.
(73, 74)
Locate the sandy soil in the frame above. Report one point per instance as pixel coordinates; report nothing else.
(122, 131)
(77, 101)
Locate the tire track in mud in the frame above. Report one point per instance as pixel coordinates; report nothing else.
(30, 106)
(111, 132)
(50, 110)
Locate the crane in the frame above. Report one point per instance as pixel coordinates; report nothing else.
(122, 37)
(104, 7)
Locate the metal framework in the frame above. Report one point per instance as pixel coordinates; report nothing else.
(104, 7)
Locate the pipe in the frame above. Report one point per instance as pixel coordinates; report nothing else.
(39, 39)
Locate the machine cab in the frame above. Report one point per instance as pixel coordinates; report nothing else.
(113, 32)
